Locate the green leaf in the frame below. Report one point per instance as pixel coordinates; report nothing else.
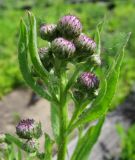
(98, 38)
(19, 154)
(33, 50)
(13, 139)
(34, 56)
(85, 144)
(23, 62)
(12, 152)
(101, 108)
(48, 147)
(55, 121)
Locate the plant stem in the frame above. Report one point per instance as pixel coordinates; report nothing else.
(62, 148)
(63, 115)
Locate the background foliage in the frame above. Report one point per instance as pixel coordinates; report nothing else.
(127, 142)
(119, 16)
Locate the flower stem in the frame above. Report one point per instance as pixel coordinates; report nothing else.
(63, 120)
(62, 147)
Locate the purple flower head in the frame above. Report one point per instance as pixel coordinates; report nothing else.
(89, 80)
(31, 145)
(48, 32)
(28, 129)
(46, 57)
(63, 47)
(70, 26)
(84, 43)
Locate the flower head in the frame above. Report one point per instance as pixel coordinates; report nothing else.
(31, 145)
(85, 44)
(28, 129)
(63, 47)
(46, 57)
(88, 80)
(48, 32)
(70, 26)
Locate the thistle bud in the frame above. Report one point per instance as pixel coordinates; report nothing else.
(46, 57)
(31, 145)
(88, 80)
(48, 32)
(85, 44)
(63, 47)
(28, 129)
(70, 26)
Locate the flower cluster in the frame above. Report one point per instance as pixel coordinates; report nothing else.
(67, 42)
(66, 38)
(31, 131)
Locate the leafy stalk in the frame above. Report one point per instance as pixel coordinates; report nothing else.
(33, 50)
(101, 108)
(88, 140)
(55, 121)
(48, 147)
(63, 122)
(23, 62)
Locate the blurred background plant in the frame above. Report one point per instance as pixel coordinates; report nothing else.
(119, 15)
(127, 142)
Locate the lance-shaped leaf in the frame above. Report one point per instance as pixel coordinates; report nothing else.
(48, 147)
(23, 62)
(55, 121)
(98, 37)
(85, 144)
(33, 50)
(101, 108)
(13, 139)
(19, 154)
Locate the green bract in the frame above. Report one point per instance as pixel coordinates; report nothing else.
(31, 145)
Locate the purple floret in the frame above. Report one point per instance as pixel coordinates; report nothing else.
(70, 26)
(48, 32)
(28, 129)
(89, 80)
(84, 43)
(63, 47)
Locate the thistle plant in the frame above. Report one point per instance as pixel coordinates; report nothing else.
(70, 71)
